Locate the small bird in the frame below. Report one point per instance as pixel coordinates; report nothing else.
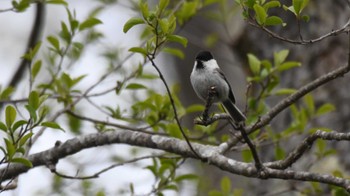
(206, 74)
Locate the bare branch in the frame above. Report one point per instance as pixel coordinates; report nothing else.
(208, 154)
(305, 146)
(285, 103)
(97, 174)
(336, 32)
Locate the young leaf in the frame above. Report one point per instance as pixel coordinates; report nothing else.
(6, 93)
(10, 149)
(18, 124)
(279, 153)
(271, 4)
(260, 14)
(52, 125)
(89, 23)
(25, 138)
(54, 42)
(273, 20)
(36, 68)
(10, 114)
(325, 108)
(33, 100)
(3, 126)
(61, 2)
(247, 156)
(138, 50)
(175, 52)
(23, 161)
(186, 177)
(225, 185)
(284, 91)
(135, 86)
(132, 22)
(254, 64)
(178, 39)
(163, 4)
(32, 112)
(288, 65)
(280, 57)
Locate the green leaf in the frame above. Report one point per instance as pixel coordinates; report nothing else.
(10, 149)
(178, 39)
(186, 177)
(225, 185)
(288, 65)
(54, 42)
(6, 93)
(32, 112)
(163, 4)
(144, 9)
(33, 100)
(279, 153)
(25, 138)
(284, 91)
(10, 114)
(173, 51)
(260, 14)
(273, 20)
(195, 108)
(299, 5)
(132, 22)
(164, 25)
(247, 156)
(52, 125)
(62, 2)
(18, 124)
(89, 23)
(271, 4)
(23, 161)
(36, 68)
(280, 57)
(135, 86)
(138, 50)
(325, 108)
(254, 64)
(3, 126)
(65, 34)
(310, 103)
(305, 18)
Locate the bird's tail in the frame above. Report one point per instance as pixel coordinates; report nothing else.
(234, 112)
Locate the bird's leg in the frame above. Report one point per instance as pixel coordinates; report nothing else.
(209, 102)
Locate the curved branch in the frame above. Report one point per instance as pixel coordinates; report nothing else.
(208, 154)
(306, 145)
(33, 39)
(336, 32)
(282, 105)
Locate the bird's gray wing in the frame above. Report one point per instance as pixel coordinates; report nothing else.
(231, 96)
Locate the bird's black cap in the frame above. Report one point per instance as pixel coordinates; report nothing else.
(204, 56)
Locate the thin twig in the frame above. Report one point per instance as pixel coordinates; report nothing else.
(305, 146)
(97, 174)
(113, 124)
(172, 104)
(285, 103)
(342, 29)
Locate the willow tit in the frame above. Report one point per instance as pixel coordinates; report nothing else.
(207, 74)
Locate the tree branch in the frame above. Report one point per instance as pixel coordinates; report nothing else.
(209, 154)
(285, 103)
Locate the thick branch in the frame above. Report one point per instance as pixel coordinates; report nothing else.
(209, 154)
